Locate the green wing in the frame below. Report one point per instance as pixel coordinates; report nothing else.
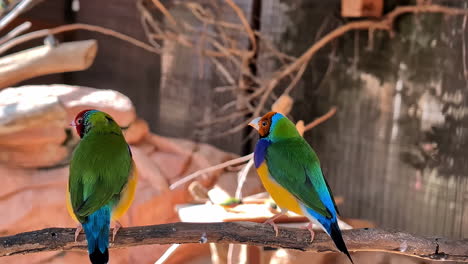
(99, 170)
(295, 166)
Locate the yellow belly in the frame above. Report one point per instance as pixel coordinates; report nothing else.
(280, 195)
(69, 206)
(128, 193)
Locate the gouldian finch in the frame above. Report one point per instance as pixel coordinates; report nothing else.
(102, 180)
(290, 171)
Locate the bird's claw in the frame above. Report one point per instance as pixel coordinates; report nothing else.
(116, 228)
(272, 223)
(78, 230)
(309, 227)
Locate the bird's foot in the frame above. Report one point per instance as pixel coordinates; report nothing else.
(309, 227)
(116, 228)
(79, 228)
(271, 221)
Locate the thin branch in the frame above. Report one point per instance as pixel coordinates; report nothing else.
(210, 169)
(20, 8)
(167, 254)
(230, 131)
(321, 119)
(465, 69)
(384, 24)
(296, 79)
(242, 177)
(428, 248)
(45, 32)
(199, 12)
(15, 32)
(246, 24)
(224, 72)
(231, 116)
(165, 12)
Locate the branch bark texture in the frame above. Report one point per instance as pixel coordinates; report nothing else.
(430, 248)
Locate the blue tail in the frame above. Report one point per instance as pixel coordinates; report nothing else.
(332, 229)
(97, 227)
(335, 234)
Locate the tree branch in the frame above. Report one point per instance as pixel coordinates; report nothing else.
(15, 32)
(386, 24)
(47, 59)
(53, 239)
(210, 169)
(17, 10)
(69, 27)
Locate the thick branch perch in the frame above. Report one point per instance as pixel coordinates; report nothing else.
(52, 239)
(66, 57)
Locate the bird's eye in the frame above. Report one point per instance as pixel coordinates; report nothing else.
(79, 121)
(264, 123)
(109, 119)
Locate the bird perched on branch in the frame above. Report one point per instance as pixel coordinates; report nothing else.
(290, 171)
(102, 180)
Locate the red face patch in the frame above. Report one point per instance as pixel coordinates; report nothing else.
(79, 121)
(264, 124)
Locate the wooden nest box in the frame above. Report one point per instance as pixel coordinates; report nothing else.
(361, 8)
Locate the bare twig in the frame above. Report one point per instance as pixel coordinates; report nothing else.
(15, 32)
(199, 12)
(321, 119)
(20, 8)
(385, 24)
(166, 12)
(224, 72)
(210, 169)
(222, 46)
(231, 116)
(45, 32)
(242, 176)
(245, 23)
(429, 248)
(167, 254)
(465, 68)
(296, 79)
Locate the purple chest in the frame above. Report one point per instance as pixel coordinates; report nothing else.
(260, 151)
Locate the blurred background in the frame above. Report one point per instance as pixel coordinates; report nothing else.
(196, 71)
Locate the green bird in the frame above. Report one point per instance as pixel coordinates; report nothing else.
(290, 171)
(102, 180)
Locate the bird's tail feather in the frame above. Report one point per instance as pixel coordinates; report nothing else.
(97, 227)
(335, 234)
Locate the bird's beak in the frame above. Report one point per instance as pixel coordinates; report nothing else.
(254, 123)
(73, 123)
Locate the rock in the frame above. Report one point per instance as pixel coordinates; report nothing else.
(34, 156)
(38, 98)
(34, 121)
(147, 169)
(39, 134)
(136, 132)
(24, 108)
(76, 99)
